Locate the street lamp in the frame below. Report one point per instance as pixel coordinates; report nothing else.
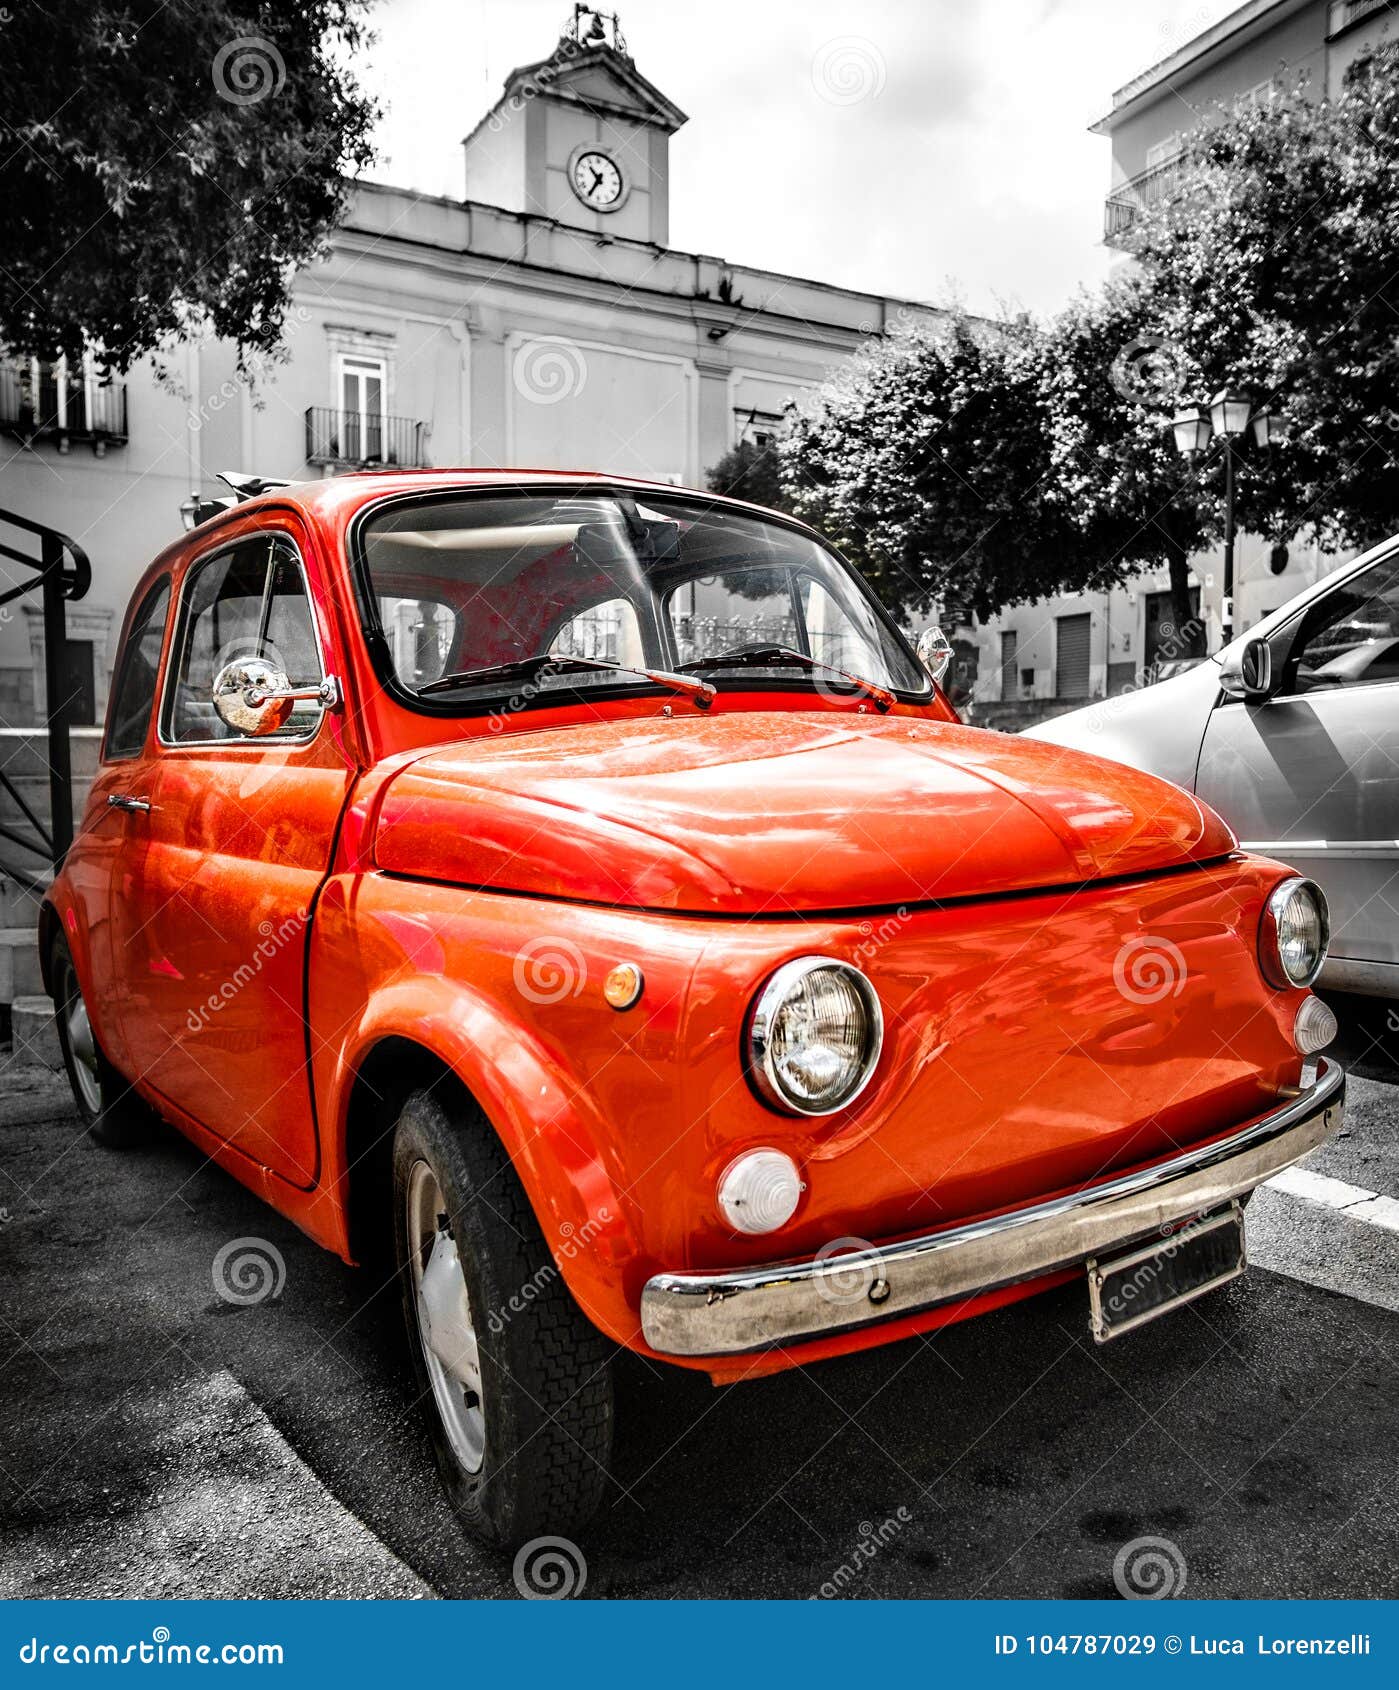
(1230, 411)
(1192, 429)
(1268, 429)
(1230, 415)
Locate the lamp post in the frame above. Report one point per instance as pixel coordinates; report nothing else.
(1230, 411)
(1229, 415)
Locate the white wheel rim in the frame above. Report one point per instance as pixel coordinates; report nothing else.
(82, 1047)
(445, 1328)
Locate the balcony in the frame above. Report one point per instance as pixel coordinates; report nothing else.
(1139, 195)
(1343, 13)
(349, 440)
(48, 401)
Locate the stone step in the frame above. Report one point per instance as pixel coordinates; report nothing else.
(19, 964)
(34, 790)
(24, 752)
(34, 1034)
(19, 907)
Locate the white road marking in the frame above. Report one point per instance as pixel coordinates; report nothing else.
(1352, 1200)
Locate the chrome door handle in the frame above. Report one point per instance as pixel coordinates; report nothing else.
(121, 801)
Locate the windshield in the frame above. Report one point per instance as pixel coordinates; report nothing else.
(477, 582)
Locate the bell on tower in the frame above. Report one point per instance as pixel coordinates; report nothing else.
(581, 138)
(592, 28)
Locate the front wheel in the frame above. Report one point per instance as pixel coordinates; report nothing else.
(517, 1381)
(111, 1111)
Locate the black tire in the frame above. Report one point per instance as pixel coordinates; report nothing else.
(112, 1112)
(545, 1376)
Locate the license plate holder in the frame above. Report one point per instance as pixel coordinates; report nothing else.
(1125, 1292)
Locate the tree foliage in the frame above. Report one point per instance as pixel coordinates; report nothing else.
(1002, 462)
(753, 472)
(925, 460)
(1278, 270)
(167, 167)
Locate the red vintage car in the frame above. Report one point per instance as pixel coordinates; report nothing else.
(576, 894)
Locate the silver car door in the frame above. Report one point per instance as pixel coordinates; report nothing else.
(1311, 776)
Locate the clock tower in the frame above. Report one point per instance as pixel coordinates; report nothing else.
(581, 137)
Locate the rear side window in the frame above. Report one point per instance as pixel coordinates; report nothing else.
(133, 696)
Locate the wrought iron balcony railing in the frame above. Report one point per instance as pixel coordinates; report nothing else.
(51, 401)
(1141, 194)
(350, 440)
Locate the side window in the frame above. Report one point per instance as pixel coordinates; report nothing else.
(249, 601)
(133, 696)
(421, 633)
(836, 636)
(746, 606)
(610, 631)
(1351, 638)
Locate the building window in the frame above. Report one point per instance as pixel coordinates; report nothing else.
(362, 398)
(758, 428)
(356, 431)
(62, 401)
(1261, 94)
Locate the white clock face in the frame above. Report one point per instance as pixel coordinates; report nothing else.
(597, 180)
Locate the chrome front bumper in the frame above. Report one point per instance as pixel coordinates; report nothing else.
(737, 1310)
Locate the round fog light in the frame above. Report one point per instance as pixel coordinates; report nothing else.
(760, 1191)
(1314, 1028)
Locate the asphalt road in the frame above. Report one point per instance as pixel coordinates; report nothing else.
(158, 1440)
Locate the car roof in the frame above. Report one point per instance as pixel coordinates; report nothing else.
(334, 495)
(332, 502)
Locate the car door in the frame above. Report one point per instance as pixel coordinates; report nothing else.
(241, 833)
(1311, 775)
(108, 857)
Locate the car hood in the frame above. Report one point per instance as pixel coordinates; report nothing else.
(774, 813)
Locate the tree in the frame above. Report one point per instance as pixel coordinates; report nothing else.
(1111, 385)
(926, 460)
(752, 472)
(168, 167)
(999, 463)
(1278, 270)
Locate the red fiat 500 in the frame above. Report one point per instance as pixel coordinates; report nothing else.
(582, 884)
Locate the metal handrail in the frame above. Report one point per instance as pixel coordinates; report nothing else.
(61, 572)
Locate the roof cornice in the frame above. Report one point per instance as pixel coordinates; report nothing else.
(1248, 21)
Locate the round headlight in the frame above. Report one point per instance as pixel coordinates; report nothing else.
(814, 1036)
(1295, 932)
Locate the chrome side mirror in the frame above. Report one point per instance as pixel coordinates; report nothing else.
(1246, 672)
(254, 698)
(935, 652)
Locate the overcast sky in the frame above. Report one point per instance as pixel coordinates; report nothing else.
(913, 147)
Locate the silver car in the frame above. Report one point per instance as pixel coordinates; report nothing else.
(1292, 734)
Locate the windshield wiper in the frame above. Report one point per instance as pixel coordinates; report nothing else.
(527, 668)
(769, 654)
